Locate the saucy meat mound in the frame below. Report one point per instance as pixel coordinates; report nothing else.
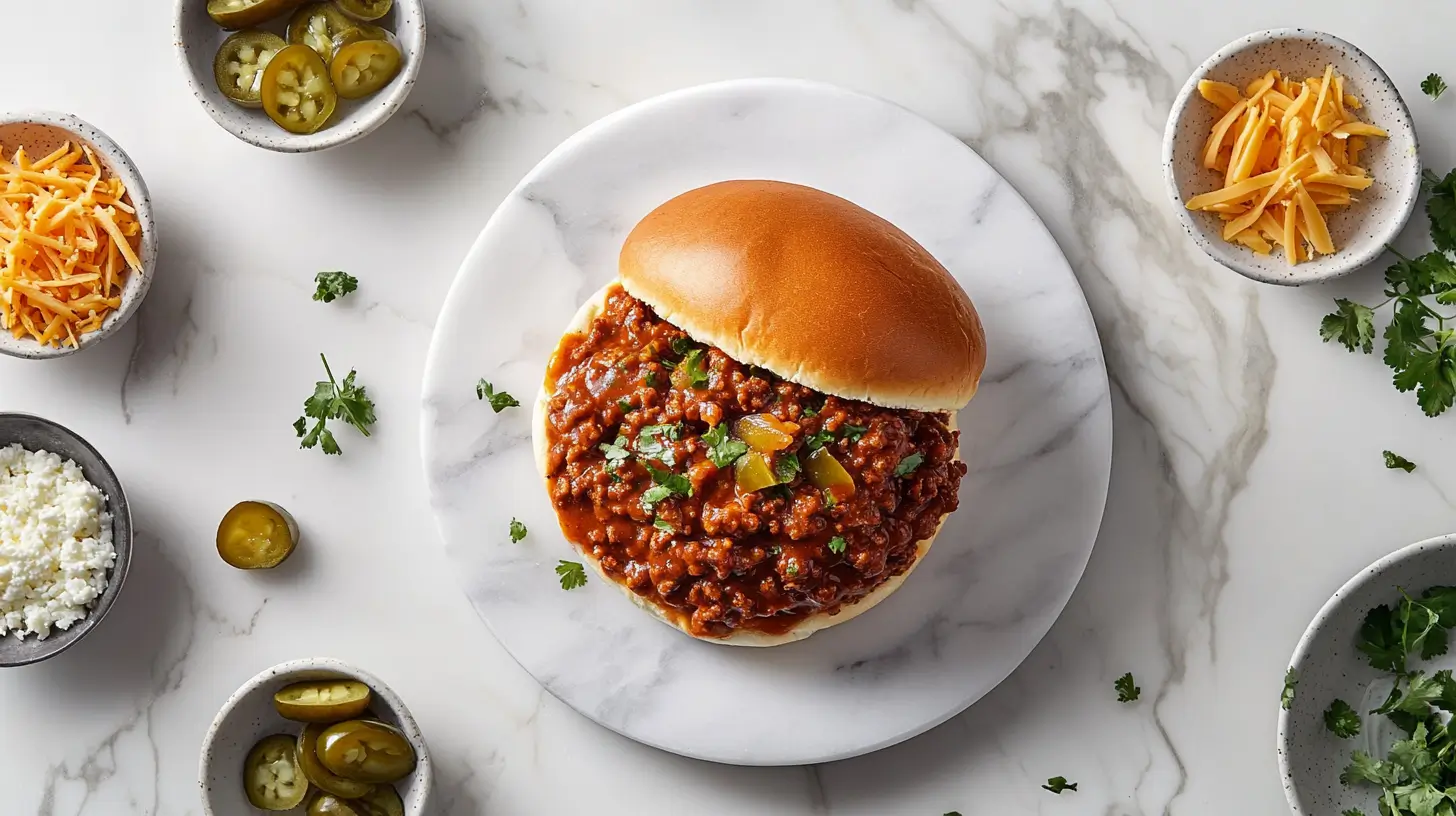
(706, 486)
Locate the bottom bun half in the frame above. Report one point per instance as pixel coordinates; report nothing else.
(580, 323)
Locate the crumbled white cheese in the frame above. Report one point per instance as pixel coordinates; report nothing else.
(55, 542)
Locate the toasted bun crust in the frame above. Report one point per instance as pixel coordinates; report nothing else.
(811, 287)
(580, 323)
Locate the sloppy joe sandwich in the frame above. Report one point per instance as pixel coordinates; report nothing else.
(751, 430)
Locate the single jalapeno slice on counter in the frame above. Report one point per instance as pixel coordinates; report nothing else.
(316, 25)
(322, 701)
(240, 62)
(235, 14)
(366, 10)
(385, 801)
(272, 776)
(297, 93)
(364, 66)
(256, 535)
(366, 751)
(319, 776)
(326, 804)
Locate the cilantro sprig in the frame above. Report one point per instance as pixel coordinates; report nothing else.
(1395, 461)
(571, 574)
(333, 285)
(722, 448)
(518, 531)
(1127, 689)
(1417, 776)
(499, 400)
(333, 400)
(1433, 86)
(1419, 347)
(1057, 784)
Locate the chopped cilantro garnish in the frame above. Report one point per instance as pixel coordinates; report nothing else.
(908, 465)
(786, 467)
(518, 531)
(499, 400)
(652, 442)
(662, 524)
(837, 544)
(723, 449)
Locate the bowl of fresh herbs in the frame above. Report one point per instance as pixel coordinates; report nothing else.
(1364, 723)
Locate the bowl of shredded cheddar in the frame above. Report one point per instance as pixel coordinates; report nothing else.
(78, 244)
(1291, 157)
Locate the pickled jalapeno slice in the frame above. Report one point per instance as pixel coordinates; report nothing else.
(297, 93)
(240, 62)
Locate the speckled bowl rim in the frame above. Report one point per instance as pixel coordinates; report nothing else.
(120, 510)
(120, 165)
(1334, 266)
(424, 770)
(1314, 631)
(334, 136)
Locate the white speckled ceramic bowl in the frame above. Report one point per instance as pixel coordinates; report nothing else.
(248, 716)
(1328, 666)
(198, 38)
(1361, 231)
(41, 132)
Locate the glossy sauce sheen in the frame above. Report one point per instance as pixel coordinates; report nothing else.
(733, 561)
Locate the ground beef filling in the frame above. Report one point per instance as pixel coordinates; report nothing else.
(723, 560)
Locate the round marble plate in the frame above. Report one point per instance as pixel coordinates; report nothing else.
(1038, 438)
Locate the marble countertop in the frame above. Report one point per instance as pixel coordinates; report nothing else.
(1247, 483)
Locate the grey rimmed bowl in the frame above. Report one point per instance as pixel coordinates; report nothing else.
(248, 716)
(1360, 231)
(34, 433)
(41, 132)
(1328, 666)
(197, 39)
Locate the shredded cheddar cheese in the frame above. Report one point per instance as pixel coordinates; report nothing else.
(68, 241)
(1289, 152)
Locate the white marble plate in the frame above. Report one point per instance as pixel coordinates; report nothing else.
(1037, 439)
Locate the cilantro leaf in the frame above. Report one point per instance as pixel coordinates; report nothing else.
(664, 525)
(681, 345)
(1286, 697)
(333, 400)
(1433, 86)
(1418, 627)
(1395, 461)
(1057, 784)
(837, 545)
(499, 400)
(653, 442)
(1352, 324)
(853, 432)
(819, 439)
(1442, 601)
(1341, 720)
(334, 285)
(665, 483)
(694, 368)
(1441, 211)
(1365, 768)
(615, 453)
(908, 465)
(786, 467)
(1127, 691)
(625, 405)
(518, 531)
(723, 449)
(571, 573)
(1380, 641)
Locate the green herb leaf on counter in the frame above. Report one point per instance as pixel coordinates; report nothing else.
(1395, 461)
(838, 545)
(518, 531)
(571, 573)
(1057, 784)
(1433, 86)
(722, 448)
(334, 285)
(908, 465)
(1341, 720)
(499, 400)
(1286, 697)
(333, 400)
(663, 525)
(653, 442)
(1127, 691)
(1352, 325)
(786, 467)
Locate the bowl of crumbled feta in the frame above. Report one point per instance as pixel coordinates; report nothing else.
(65, 538)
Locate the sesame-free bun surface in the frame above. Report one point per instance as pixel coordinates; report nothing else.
(811, 287)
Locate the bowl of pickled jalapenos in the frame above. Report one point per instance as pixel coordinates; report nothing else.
(314, 737)
(295, 76)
